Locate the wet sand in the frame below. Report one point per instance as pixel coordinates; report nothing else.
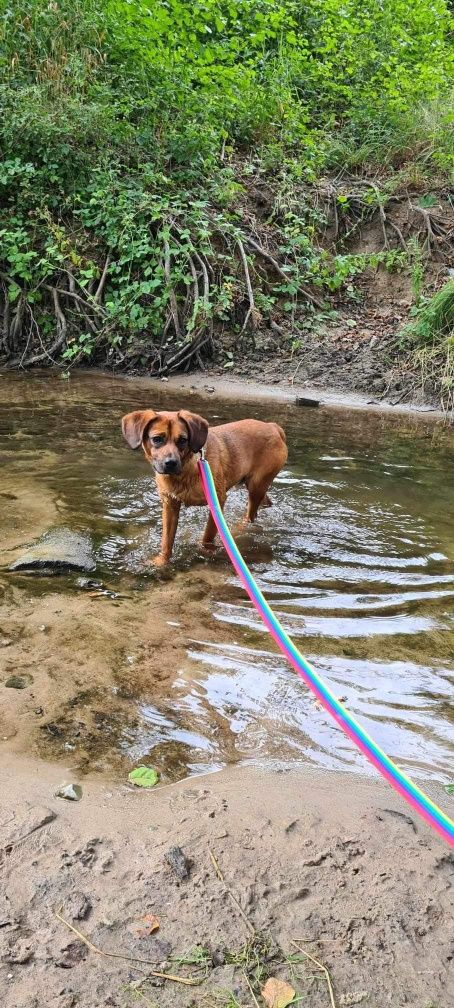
(337, 864)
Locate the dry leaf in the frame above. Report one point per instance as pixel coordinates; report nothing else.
(277, 993)
(150, 924)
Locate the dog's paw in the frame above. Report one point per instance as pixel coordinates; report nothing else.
(158, 561)
(209, 547)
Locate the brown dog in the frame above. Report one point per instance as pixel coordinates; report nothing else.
(249, 452)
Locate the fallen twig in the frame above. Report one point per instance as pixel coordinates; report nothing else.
(250, 989)
(322, 968)
(188, 981)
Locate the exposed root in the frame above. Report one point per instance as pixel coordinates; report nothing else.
(172, 296)
(252, 312)
(100, 288)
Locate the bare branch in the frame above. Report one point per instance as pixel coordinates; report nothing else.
(6, 319)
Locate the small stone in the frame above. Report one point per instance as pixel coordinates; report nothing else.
(178, 862)
(305, 401)
(19, 681)
(71, 792)
(88, 584)
(5, 642)
(60, 549)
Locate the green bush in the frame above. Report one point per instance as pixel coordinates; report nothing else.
(122, 128)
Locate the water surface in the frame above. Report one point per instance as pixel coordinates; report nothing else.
(356, 557)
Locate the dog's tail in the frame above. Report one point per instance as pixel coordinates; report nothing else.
(281, 433)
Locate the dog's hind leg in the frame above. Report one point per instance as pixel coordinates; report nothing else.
(258, 496)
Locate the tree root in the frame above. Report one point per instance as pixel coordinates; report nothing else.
(172, 296)
(100, 288)
(252, 312)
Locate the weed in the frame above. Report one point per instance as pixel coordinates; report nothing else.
(416, 264)
(430, 336)
(198, 956)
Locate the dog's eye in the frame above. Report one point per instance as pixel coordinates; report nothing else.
(182, 441)
(158, 439)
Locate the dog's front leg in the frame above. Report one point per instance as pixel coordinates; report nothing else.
(170, 515)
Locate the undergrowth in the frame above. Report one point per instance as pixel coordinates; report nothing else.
(170, 172)
(430, 334)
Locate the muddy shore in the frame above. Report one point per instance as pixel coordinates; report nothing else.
(332, 861)
(333, 864)
(280, 388)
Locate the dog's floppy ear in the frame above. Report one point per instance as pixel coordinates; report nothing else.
(135, 424)
(197, 427)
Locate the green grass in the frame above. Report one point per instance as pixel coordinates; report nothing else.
(430, 337)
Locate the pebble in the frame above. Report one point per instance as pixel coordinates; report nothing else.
(178, 862)
(77, 906)
(19, 681)
(305, 401)
(71, 792)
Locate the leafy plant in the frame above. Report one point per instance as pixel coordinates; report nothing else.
(132, 136)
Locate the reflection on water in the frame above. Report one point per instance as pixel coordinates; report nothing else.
(356, 557)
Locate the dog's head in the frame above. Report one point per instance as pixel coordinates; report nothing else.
(168, 439)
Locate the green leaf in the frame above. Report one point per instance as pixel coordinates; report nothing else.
(144, 776)
(449, 788)
(427, 201)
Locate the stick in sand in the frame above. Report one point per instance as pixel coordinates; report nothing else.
(119, 955)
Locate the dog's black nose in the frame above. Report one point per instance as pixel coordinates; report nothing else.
(170, 465)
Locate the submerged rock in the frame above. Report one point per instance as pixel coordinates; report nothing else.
(58, 550)
(19, 681)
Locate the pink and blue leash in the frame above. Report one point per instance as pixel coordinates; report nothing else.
(416, 798)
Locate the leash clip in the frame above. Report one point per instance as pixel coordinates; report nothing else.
(202, 454)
